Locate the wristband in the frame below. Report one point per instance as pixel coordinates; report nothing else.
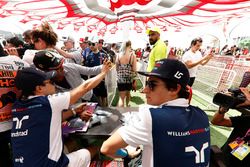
(122, 153)
(73, 111)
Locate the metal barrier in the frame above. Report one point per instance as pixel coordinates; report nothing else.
(210, 80)
(240, 67)
(220, 73)
(223, 59)
(215, 63)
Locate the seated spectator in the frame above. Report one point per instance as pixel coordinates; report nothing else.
(173, 133)
(69, 74)
(36, 133)
(240, 133)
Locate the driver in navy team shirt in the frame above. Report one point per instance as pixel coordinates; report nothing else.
(172, 132)
(36, 134)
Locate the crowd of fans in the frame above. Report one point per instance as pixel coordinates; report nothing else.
(44, 81)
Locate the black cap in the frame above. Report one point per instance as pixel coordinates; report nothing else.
(170, 69)
(28, 78)
(46, 60)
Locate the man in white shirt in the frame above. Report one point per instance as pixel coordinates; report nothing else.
(37, 118)
(193, 58)
(173, 133)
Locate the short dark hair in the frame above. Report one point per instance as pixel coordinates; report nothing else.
(172, 85)
(15, 41)
(194, 41)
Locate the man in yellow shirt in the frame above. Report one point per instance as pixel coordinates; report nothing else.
(159, 50)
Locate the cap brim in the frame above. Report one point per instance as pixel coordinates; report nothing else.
(149, 74)
(147, 31)
(56, 66)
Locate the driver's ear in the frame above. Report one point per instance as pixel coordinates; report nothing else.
(38, 88)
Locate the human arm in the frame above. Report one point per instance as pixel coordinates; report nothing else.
(76, 56)
(88, 70)
(89, 84)
(67, 114)
(78, 110)
(190, 59)
(134, 134)
(112, 144)
(220, 119)
(12, 51)
(63, 53)
(202, 61)
(207, 58)
(245, 91)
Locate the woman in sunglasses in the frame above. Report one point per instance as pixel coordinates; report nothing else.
(172, 132)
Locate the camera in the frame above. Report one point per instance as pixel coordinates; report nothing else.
(229, 101)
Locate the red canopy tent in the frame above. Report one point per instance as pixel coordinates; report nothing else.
(105, 15)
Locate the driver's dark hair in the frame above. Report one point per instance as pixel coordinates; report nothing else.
(172, 85)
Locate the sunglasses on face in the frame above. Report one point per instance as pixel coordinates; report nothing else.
(151, 84)
(92, 44)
